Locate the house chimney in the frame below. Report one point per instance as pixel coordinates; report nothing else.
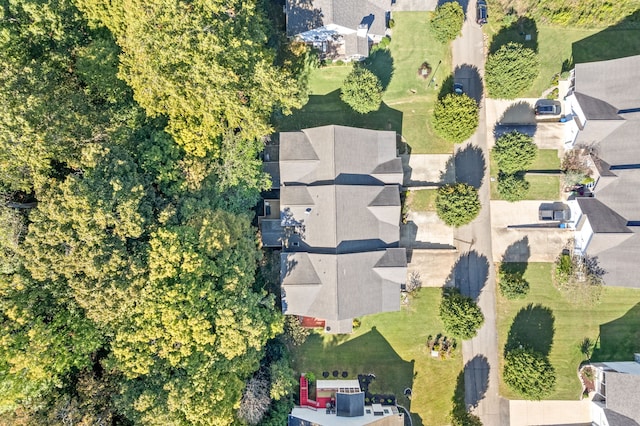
(363, 29)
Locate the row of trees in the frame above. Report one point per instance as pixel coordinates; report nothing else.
(129, 136)
(514, 152)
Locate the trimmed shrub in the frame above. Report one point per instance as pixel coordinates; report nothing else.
(512, 187)
(460, 315)
(529, 373)
(514, 152)
(510, 71)
(362, 90)
(455, 117)
(446, 22)
(457, 204)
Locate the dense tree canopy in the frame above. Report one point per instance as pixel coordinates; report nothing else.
(456, 117)
(529, 373)
(457, 204)
(514, 152)
(128, 163)
(512, 187)
(446, 22)
(510, 70)
(461, 315)
(362, 90)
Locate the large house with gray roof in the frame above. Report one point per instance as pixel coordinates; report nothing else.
(616, 401)
(338, 28)
(337, 220)
(603, 120)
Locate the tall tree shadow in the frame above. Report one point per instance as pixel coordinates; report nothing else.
(470, 165)
(469, 274)
(476, 378)
(518, 252)
(619, 339)
(524, 31)
(380, 62)
(532, 327)
(459, 413)
(617, 41)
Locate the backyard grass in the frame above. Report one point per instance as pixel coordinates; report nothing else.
(541, 187)
(393, 347)
(407, 103)
(423, 200)
(555, 326)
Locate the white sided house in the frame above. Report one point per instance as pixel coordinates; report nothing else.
(603, 120)
(338, 29)
(616, 401)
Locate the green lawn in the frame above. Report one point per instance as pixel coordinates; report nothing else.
(553, 322)
(423, 200)
(393, 347)
(542, 187)
(407, 103)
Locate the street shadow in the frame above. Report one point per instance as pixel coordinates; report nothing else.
(619, 339)
(446, 87)
(469, 274)
(367, 354)
(459, 413)
(476, 378)
(380, 62)
(518, 114)
(470, 165)
(469, 77)
(532, 327)
(518, 253)
(524, 31)
(617, 41)
(322, 110)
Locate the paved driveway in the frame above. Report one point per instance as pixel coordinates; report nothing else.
(524, 244)
(526, 413)
(423, 170)
(413, 5)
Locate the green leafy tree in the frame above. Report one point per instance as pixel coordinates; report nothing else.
(461, 315)
(282, 379)
(362, 90)
(514, 152)
(456, 117)
(446, 22)
(204, 65)
(512, 284)
(510, 71)
(457, 204)
(512, 187)
(529, 373)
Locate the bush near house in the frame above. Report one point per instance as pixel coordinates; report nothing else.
(446, 22)
(529, 373)
(514, 152)
(362, 90)
(512, 187)
(460, 315)
(457, 204)
(455, 117)
(511, 70)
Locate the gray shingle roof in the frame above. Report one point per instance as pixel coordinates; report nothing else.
(622, 394)
(602, 218)
(614, 82)
(343, 218)
(597, 109)
(621, 194)
(344, 286)
(305, 15)
(342, 154)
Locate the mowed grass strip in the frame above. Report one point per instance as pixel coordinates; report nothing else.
(614, 323)
(408, 100)
(393, 347)
(423, 200)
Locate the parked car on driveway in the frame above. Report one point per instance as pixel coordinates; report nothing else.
(458, 88)
(552, 108)
(481, 12)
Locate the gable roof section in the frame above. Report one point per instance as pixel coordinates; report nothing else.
(339, 154)
(620, 194)
(622, 390)
(614, 82)
(352, 284)
(597, 109)
(343, 218)
(602, 218)
(306, 15)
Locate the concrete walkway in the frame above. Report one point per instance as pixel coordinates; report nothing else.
(526, 413)
(475, 273)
